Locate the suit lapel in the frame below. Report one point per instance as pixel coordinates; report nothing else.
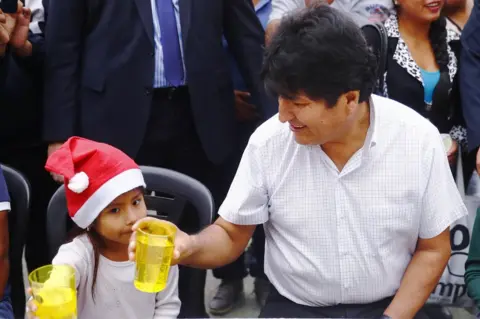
(185, 18)
(145, 11)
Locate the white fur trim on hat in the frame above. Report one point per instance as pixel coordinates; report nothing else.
(79, 182)
(116, 186)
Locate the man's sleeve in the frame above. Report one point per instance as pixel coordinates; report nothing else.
(441, 201)
(246, 39)
(283, 7)
(63, 46)
(4, 196)
(247, 200)
(469, 77)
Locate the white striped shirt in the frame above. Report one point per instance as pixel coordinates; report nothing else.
(159, 77)
(345, 237)
(371, 9)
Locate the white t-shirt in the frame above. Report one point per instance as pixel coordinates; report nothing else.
(115, 295)
(345, 236)
(374, 10)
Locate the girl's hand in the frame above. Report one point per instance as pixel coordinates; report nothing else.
(31, 305)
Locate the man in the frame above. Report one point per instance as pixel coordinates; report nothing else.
(354, 191)
(469, 83)
(373, 10)
(6, 311)
(153, 79)
(230, 290)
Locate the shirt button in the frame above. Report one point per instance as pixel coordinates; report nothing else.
(148, 92)
(152, 54)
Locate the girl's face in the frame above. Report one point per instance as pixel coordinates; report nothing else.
(421, 10)
(115, 222)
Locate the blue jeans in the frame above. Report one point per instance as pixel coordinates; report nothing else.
(6, 310)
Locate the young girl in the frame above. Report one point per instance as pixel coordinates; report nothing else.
(104, 197)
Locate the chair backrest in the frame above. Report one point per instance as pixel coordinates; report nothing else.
(19, 190)
(166, 197)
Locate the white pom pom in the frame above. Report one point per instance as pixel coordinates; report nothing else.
(79, 182)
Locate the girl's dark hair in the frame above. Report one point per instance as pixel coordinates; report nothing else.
(96, 242)
(438, 40)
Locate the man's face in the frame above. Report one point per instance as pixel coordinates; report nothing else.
(314, 123)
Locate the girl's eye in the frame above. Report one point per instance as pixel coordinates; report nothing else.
(137, 202)
(114, 210)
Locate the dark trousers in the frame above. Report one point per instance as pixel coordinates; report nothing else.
(172, 142)
(278, 306)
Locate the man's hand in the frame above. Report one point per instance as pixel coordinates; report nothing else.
(244, 110)
(478, 161)
(19, 38)
(52, 148)
(313, 2)
(184, 243)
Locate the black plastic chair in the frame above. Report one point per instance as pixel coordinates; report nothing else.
(19, 190)
(167, 196)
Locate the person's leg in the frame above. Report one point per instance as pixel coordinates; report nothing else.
(256, 258)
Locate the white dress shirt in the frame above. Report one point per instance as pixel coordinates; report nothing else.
(345, 236)
(371, 9)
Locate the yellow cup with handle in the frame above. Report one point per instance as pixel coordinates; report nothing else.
(155, 243)
(54, 292)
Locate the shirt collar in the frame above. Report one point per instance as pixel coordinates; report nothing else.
(261, 4)
(371, 139)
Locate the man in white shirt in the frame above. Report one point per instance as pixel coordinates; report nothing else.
(354, 191)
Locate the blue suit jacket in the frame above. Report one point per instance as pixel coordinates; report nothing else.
(470, 76)
(100, 67)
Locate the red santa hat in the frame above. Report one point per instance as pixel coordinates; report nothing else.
(95, 174)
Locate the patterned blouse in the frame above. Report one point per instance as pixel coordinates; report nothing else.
(404, 59)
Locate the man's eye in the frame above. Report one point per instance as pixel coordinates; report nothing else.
(114, 210)
(137, 202)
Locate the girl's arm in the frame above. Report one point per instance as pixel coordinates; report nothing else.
(76, 255)
(167, 302)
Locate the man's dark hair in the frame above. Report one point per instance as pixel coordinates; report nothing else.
(321, 53)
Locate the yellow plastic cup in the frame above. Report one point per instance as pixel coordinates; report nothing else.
(155, 243)
(54, 292)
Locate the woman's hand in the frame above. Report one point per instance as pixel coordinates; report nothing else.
(31, 305)
(452, 152)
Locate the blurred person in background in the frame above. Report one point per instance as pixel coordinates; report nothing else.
(6, 310)
(457, 13)
(373, 10)
(469, 82)
(21, 145)
(230, 291)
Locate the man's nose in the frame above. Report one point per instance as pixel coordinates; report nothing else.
(284, 112)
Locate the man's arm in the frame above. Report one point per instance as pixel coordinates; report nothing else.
(64, 36)
(441, 205)
(219, 244)
(246, 37)
(421, 277)
(4, 246)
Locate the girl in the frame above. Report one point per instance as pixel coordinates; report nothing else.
(104, 197)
